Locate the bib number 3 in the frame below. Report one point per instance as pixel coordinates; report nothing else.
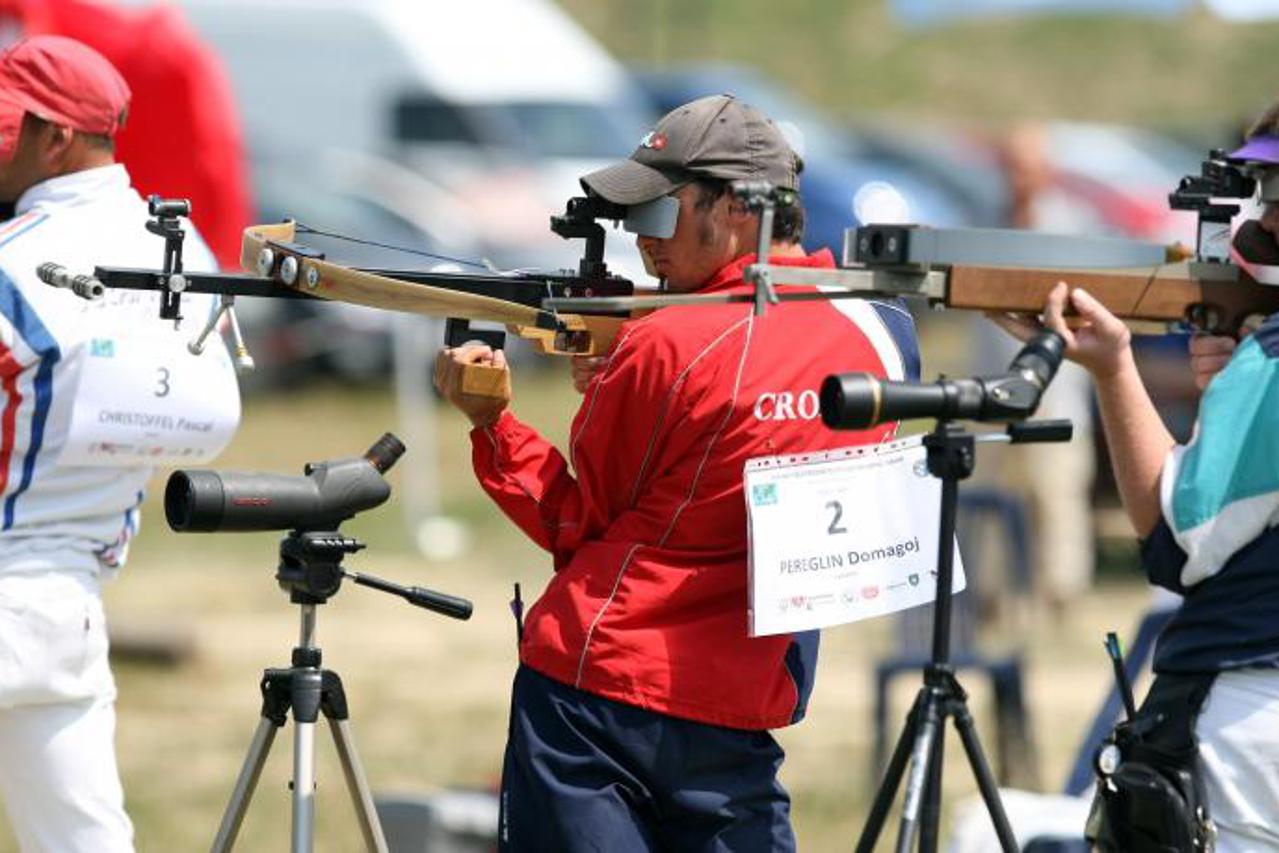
(162, 387)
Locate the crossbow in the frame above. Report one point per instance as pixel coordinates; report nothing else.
(579, 312)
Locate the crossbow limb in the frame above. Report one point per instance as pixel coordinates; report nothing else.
(271, 251)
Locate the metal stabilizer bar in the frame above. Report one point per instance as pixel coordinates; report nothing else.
(921, 246)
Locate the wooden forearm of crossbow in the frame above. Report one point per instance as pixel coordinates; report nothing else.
(582, 334)
(1172, 293)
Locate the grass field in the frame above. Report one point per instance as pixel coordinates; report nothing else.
(428, 695)
(1191, 72)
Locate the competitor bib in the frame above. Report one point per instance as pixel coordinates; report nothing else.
(147, 400)
(842, 536)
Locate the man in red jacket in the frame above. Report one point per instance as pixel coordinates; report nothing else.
(641, 709)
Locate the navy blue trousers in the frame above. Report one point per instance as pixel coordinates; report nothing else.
(583, 773)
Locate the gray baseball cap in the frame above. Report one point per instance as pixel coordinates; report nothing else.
(712, 137)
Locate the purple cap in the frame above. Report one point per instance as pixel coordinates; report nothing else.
(1263, 148)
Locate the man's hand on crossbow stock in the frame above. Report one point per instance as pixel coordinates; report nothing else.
(1095, 338)
(454, 367)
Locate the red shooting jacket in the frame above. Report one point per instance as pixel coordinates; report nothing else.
(645, 516)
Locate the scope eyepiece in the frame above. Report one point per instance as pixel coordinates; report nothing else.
(591, 207)
(385, 452)
(1218, 178)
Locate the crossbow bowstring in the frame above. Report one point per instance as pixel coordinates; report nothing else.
(484, 264)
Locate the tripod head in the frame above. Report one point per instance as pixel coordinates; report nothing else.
(310, 568)
(311, 572)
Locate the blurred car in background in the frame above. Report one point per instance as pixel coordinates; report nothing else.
(837, 161)
(1118, 177)
(514, 118)
(958, 160)
(342, 193)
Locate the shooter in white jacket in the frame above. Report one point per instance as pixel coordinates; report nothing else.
(89, 400)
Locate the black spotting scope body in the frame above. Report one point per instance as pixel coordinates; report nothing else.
(326, 495)
(863, 400)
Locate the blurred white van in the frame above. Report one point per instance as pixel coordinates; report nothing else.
(501, 104)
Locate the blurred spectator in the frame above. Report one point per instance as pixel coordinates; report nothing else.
(1055, 480)
(1034, 201)
(183, 137)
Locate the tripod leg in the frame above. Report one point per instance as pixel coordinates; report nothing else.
(892, 778)
(930, 818)
(244, 785)
(920, 760)
(358, 786)
(303, 786)
(985, 779)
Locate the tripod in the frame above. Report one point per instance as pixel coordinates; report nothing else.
(311, 571)
(950, 455)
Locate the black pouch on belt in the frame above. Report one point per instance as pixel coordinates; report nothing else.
(1150, 796)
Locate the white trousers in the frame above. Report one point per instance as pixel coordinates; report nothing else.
(1238, 731)
(58, 774)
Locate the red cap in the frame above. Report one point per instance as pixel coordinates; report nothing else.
(60, 80)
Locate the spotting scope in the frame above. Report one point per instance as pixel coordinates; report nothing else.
(863, 400)
(327, 494)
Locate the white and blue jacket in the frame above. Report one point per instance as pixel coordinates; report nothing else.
(54, 516)
(1217, 543)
